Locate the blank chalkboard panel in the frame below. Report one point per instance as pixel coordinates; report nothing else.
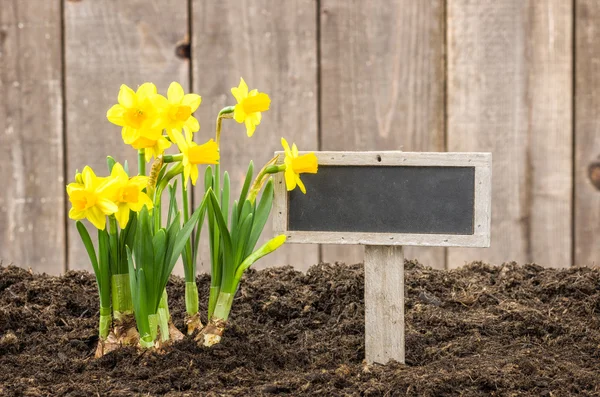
(379, 199)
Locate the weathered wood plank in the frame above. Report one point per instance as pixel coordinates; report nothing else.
(32, 229)
(509, 92)
(109, 43)
(587, 135)
(382, 87)
(384, 304)
(272, 45)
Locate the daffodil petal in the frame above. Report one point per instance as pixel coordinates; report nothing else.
(300, 184)
(286, 147)
(129, 135)
(139, 180)
(186, 174)
(250, 127)
(180, 141)
(116, 115)
(126, 97)
(88, 177)
(119, 173)
(106, 206)
(192, 100)
(76, 214)
(146, 90)
(122, 215)
(175, 93)
(241, 91)
(96, 218)
(71, 187)
(238, 113)
(194, 174)
(193, 124)
(290, 179)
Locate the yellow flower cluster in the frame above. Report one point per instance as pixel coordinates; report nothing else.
(145, 115)
(93, 198)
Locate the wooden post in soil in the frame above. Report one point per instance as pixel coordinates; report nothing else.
(384, 303)
(387, 200)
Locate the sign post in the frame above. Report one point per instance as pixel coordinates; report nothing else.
(385, 200)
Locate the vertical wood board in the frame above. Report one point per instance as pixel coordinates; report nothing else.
(509, 92)
(272, 45)
(109, 43)
(587, 135)
(32, 228)
(382, 86)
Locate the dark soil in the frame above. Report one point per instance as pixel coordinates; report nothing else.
(480, 330)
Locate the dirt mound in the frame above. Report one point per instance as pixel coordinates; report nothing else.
(479, 330)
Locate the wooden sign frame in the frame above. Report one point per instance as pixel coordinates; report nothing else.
(482, 162)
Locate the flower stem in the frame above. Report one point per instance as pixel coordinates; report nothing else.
(114, 247)
(172, 158)
(191, 298)
(225, 113)
(212, 298)
(189, 267)
(105, 322)
(121, 295)
(261, 178)
(163, 317)
(142, 161)
(172, 173)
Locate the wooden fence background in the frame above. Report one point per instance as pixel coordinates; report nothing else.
(519, 78)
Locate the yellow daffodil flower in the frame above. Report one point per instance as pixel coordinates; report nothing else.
(136, 114)
(129, 195)
(249, 107)
(91, 199)
(176, 110)
(194, 154)
(296, 165)
(152, 147)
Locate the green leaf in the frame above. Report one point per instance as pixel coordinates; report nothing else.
(247, 209)
(242, 240)
(143, 301)
(126, 167)
(144, 255)
(160, 247)
(111, 163)
(183, 235)
(261, 216)
(161, 173)
(266, 249)
(225, 197)
(172, 202)
(208, 178)
(89, 247)
(246, 187)
(234, 218)
(203, 204)
(133, 283)
(104, 267)
(227, 249)
(127, 236)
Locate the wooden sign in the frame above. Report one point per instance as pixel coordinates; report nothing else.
(385, 200)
